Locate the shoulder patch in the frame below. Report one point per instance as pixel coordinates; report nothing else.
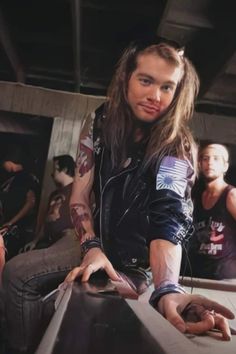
(172, 175)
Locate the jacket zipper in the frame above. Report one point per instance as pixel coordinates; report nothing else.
(103, 189)
(127, 210)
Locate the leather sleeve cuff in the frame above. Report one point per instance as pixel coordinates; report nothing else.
(164, 290)
(88, 244)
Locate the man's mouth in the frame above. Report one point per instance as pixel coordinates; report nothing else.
(152, 109)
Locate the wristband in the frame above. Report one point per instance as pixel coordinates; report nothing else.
(164, 290)
(90, 243)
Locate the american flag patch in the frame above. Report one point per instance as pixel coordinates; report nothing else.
(172, 175)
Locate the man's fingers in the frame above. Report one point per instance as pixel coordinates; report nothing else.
(210, 320)
(85, 270)
(212, 305)
(3, 231)
(112, 274)
(90, 269)
(222, 310)
(206, 323)
(175, 319)
(222, 324)
(74, 274)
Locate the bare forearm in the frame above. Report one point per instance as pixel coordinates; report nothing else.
(80, 208)
(82, 220)
(39, 235)
(22, 213)
(27, 207)
(165, 260)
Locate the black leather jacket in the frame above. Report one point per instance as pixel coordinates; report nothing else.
(131, 212)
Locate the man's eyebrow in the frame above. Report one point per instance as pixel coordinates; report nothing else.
(169, 82)
(215, 155)
(146, 75)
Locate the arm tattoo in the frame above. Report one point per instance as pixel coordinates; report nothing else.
(84, 161)
(82, 222)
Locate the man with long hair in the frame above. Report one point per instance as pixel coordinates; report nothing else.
(138, 156)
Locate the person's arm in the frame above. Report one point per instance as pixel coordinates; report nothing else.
(170, 218)
(169, 214)
(84, 175)
(231, 202)
(26, 208)
(39, 232)
(202, 314)
(32, 244)
(165, 259)
(81, 214)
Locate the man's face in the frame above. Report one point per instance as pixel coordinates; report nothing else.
(56, 174)
(213, 162)
(152, 86)
(8, 166)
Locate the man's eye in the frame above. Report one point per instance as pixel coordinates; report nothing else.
(145, 81)
(167, 88)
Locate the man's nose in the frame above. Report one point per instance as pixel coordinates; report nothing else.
(155, 94)
(210, 161)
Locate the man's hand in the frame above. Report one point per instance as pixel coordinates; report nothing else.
(1, 242)
(28, 247)
(3, 230)
(94, 260)
(195, 314)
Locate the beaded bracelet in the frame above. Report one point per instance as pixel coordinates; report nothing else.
(90, 243)
(164, 290)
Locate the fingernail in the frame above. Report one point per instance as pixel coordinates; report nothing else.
(181, 327)
(119, 277)
(63, 285)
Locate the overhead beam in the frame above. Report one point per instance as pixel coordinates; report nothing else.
(76, 24)
(10, 50)
(152, 8)
(209, 38)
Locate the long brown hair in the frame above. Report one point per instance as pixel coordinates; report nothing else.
(169, 134)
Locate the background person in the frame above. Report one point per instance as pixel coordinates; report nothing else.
(19, 197)
(40, 270)
(57, 218)
(213, 245)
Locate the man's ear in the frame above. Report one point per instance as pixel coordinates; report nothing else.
(226, 167)
(65, 170)
(199, 165)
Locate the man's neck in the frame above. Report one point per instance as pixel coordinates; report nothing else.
(216, 186)
(17, 168)
(212, 193)
(67, 180)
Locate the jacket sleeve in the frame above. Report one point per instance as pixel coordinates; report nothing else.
(170, 206)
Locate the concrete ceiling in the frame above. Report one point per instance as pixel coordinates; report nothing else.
(73, 45)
